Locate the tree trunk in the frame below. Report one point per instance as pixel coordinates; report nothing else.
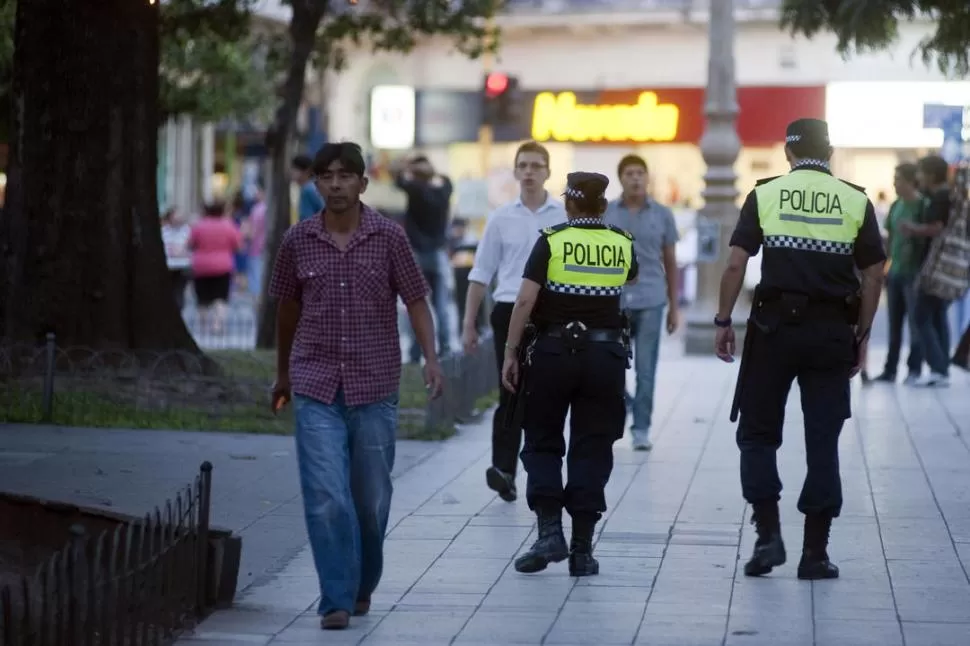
(307, 15)
(80, 238)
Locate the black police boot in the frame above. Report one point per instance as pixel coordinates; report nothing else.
(550, 547)
(581, 561)
(815, 563)
(501, 483)
(769, 549)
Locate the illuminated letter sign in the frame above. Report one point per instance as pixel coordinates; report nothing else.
(558, 117)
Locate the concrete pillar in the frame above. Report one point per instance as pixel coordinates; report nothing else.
(184, 164)
(720, 147)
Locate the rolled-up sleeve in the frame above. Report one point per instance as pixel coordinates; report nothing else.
(748, 234)
(670, 235)
(869, 249)
(284, 284)
(488, 255)
(406, 277)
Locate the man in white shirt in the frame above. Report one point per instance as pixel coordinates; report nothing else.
(510, 233)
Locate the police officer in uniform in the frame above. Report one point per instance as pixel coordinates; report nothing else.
(809, 322)
(575, 363)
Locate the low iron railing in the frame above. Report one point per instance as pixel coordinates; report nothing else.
(136, 585)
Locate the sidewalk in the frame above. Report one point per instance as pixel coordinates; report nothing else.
(673, 541)
(255, 487)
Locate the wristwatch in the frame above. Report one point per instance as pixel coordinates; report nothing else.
(722, 322)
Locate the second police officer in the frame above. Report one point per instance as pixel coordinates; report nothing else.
(808, 323)
(575, 364)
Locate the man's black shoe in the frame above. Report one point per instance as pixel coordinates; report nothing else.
(815, 563)
(502, 483)
(887, 377)
(550, 546)
(769, 549)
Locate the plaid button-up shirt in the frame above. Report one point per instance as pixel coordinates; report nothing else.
(347, 336)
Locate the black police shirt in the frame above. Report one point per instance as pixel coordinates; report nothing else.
(819, 275)
(553, 308)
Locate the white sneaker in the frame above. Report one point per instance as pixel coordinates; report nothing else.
(936, 380)
(911, 380)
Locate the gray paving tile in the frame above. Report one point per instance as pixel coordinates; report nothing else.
(594, 628)
(838, 632)
(936, 634)
(524, 626)
(698, 630)
(936, 603)
(435, 627)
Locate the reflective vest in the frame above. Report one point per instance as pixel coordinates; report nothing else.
(811, 211)
(588, 261)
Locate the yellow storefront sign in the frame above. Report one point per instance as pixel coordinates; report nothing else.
(559, 117)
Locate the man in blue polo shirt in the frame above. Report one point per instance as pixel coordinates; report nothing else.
(654, 239)
(310, 202)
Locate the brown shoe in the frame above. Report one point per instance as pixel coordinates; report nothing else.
(336, 620)
(362, 607)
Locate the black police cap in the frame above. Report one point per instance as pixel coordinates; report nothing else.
(809, 131)
(582, 185)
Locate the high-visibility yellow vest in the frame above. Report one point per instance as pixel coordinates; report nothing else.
(588, 261)
(811, 211)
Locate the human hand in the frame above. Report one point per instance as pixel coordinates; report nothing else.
(434, 378)
(510, 374)
(281, 394)
(673, 320)
(469, 339)
(861, 353)
(724, 344)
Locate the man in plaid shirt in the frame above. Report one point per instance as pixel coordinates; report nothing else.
(337, 279)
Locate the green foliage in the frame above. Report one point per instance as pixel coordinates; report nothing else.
(872, 25)
(400, 25)
(212, 64)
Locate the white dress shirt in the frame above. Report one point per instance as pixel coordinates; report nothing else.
(511, 231)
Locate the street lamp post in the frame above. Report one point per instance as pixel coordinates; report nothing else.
(720, 146)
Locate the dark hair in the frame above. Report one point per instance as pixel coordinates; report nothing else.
(631, 160)
(532, 147)
(934, 168)
(420, 159)
(302, 162)
(239, 201)
(169, 212)
(592, 205)
(214, 209)
(809, 148)
(907, 172)
(346, 152)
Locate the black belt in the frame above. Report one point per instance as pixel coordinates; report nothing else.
(592, 335)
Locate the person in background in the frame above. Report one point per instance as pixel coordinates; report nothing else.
(310, 202)
(257, 244)
(214, 241)
(175, 237)
(426, 224)
(511, 232)
(655, 242)
(928, 318)
(240, 217)
(903, 270)
(339, 358)
(461, 252)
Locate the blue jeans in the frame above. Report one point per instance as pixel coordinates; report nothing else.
(647, 325)
(929, 323)
(433, 265)
(900, 303)
(345, 455)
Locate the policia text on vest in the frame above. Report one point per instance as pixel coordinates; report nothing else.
(578, 256)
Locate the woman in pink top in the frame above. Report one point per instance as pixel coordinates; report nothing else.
(214, 241)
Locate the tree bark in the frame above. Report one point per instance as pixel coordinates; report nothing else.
(307, 15)
(80, 237)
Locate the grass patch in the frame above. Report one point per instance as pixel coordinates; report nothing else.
(236, 401)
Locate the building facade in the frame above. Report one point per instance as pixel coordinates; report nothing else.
(600, 80)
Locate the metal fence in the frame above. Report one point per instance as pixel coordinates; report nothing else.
(137, 585)
(221, 390)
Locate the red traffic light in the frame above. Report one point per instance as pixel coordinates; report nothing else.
(496, 84)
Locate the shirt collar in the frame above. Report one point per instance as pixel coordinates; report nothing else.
(618, 203)
(549, 203)
(368, 224)
(813, 164)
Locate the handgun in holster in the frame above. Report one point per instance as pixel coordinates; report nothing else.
(626, 331)
(515, 414)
